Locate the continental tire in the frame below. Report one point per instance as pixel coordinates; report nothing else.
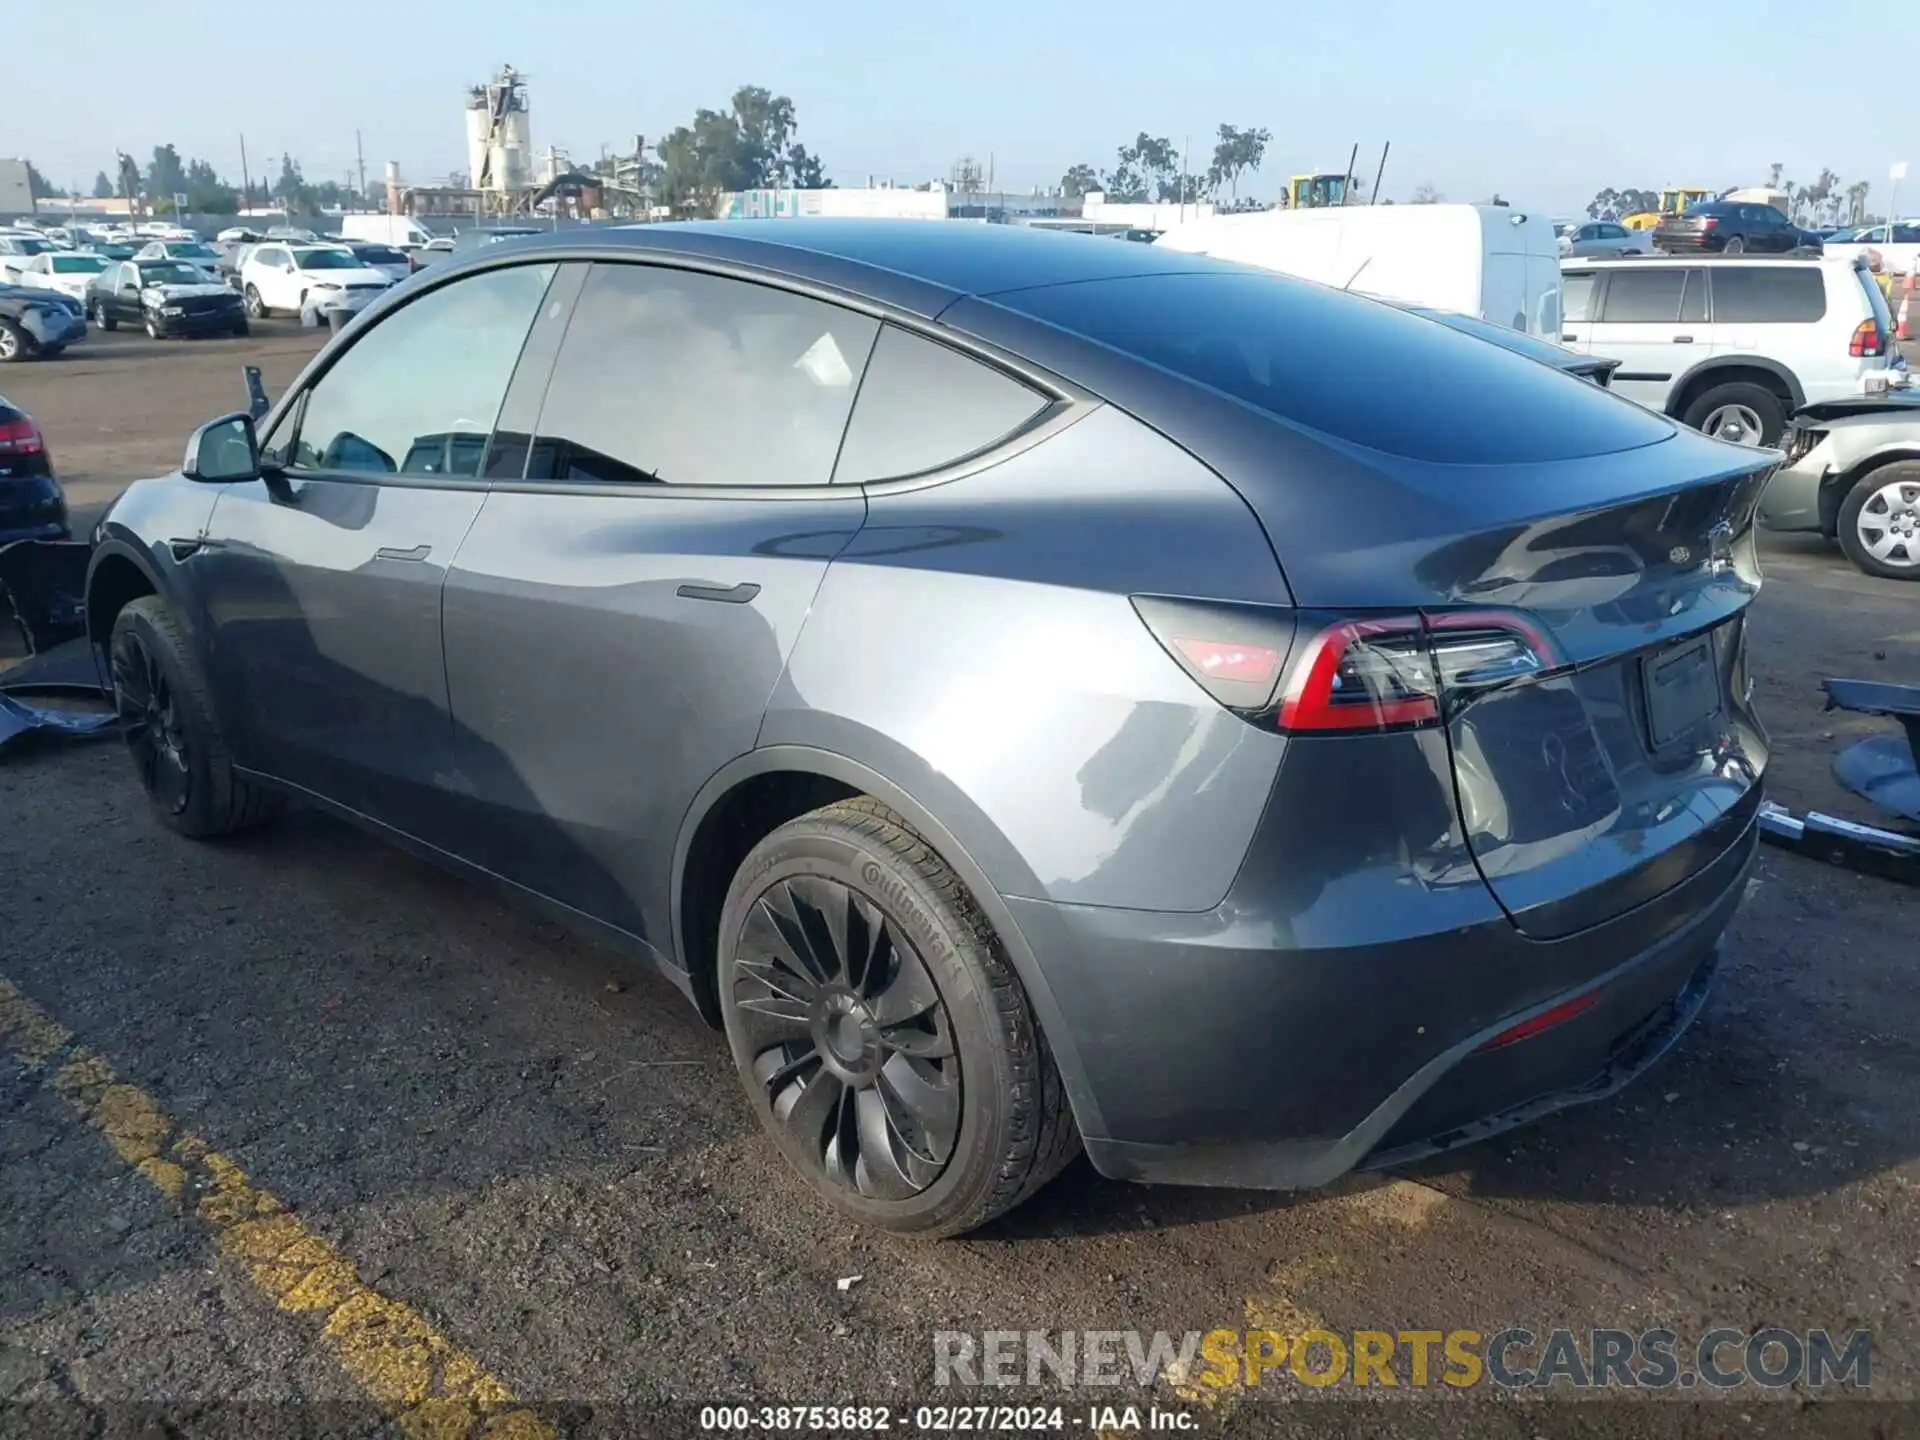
(167, 721)
(884, 1041)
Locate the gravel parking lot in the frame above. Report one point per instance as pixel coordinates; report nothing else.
(532, 1165)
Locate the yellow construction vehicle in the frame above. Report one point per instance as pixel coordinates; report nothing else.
(1313, 192)
(1674, 200)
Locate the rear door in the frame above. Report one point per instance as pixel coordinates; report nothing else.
(1779, 310)
(1579, 299)
(628, 596)
(1652, 318)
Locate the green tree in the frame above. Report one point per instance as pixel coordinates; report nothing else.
(102, 187)
(765, 123)
(166, 176)
(749, 146)
(1235, 153)
(39, 186)
(1148, 169)
(1078, 180)
(1424, 194)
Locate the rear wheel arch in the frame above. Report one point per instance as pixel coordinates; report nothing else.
(802, 771)
(1836, 487)
(1735, 370)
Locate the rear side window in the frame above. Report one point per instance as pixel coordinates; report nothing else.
(1576, 296)
(923, 406)
(1355, 370)
(672, 377)
(1644, 296)
(1780, 294)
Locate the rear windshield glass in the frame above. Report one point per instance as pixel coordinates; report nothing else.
(1355, 369)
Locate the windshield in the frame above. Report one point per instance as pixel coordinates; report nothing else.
(169, 272)
(117, 252)
(78, 264)
(325, 260)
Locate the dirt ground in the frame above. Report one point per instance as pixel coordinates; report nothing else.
(529, 1161)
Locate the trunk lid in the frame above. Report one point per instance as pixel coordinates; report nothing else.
(1630, 758)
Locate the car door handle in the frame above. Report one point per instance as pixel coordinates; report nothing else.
(418, 552)
(187, 549)
(726, 594)
(1569, 338)
(1683, 339)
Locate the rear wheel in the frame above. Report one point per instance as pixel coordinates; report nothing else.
(884, 1041)
(255, 307)
(167, 720)
(1736, 245)
(153, 328)
(1740, 411)
(1879, 521)
(13, 345)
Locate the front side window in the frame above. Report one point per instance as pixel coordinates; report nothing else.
(1644, 296)
(677, 378)
(418, 393)
(1576, 296)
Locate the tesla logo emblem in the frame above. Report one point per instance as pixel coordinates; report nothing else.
(1679, 555)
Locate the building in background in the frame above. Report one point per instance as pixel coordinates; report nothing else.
(16, 190)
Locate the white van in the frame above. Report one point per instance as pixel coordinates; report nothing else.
(400, 231)
(1497, 263)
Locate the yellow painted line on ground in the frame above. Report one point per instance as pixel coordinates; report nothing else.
(430, 1387)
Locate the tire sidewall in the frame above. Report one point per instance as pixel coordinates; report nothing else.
(946, 943)
(18, 339)
(1847, 522)
(135, 622)
(1764, 403)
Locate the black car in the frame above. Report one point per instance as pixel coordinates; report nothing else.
(165, 297)
(32, 504)
(37, 323)
(1025, 689)
(1731, 227)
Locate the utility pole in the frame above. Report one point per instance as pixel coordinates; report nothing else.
(1186, 154)
(246, 180)
(360, 161)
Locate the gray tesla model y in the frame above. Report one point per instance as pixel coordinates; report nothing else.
(1032, 693)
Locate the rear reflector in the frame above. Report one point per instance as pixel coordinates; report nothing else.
(1234, 651)
(1545, 1020)
(20, 437)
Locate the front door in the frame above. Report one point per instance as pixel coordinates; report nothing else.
(126, 294)
(625, 604)
(1652, 319)
(322, 581)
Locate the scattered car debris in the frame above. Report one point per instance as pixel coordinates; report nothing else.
(847, 1282)
(1883, 770)
(1865, 848)
(56, 695)
(43, 585)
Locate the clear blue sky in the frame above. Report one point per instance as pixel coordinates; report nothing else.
(1543, 101)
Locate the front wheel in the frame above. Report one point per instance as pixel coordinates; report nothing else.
(153, 328)
(13, 344)
(103, 317)
(167, 721)
(883, 1039)
(240, 328)
(1879, 521)
(1740, 411)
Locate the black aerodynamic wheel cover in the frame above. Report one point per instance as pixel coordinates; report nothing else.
(151, 722)
(850, 1042)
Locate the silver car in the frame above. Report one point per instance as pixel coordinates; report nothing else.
(1604, 237)
(1850, 475)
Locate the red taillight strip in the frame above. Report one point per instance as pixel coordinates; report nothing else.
(1545, 1020)
(1308, 702)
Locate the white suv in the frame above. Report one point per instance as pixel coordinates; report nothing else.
(1732, 345)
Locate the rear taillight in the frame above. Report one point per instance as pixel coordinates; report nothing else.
(1710, 222)
(20, 437)
(1352, 674)
(1399, 673)
(1868, 340)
